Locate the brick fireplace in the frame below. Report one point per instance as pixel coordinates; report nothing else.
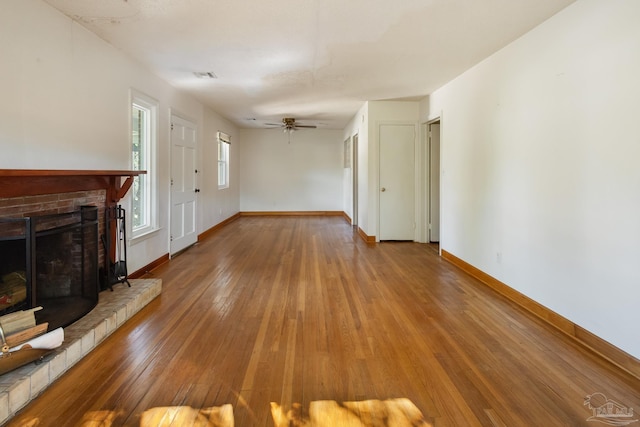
(35, 198)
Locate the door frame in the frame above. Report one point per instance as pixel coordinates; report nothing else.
(426, 178)
(354, 179)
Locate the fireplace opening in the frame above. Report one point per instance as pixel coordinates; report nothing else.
(50, 261)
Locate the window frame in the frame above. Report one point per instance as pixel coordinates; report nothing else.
(140, 101)
(224, 151)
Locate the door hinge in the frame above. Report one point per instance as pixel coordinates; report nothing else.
(171, 238)
(171, 126)
(171, 181)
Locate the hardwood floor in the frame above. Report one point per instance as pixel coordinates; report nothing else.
(299, 309)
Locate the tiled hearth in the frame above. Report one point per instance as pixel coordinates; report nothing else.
(19, 387)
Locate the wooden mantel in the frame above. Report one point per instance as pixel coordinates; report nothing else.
(33, 182)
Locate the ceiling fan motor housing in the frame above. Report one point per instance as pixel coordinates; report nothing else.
(289, 122)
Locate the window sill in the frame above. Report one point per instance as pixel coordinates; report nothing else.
(144, 236)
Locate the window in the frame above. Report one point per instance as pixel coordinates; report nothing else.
(224, 141)
(143, 142)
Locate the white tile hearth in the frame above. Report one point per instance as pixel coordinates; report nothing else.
(19, 387)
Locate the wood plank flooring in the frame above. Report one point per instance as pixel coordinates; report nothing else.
(299, 309)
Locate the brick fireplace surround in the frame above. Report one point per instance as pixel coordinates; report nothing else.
(47, 204)
(28, 192)
(43, 192)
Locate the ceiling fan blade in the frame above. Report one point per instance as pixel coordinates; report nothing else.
(306, 126)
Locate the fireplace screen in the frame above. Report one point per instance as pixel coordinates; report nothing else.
(51, 262)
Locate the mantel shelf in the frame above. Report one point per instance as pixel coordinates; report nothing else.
(60, 172)
(33, 182)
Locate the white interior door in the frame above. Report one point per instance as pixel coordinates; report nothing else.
(434, 182)
(183, 184)
(397, 182)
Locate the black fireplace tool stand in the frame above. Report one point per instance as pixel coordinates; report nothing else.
(116, 269)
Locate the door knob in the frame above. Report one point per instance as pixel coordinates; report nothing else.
(197, 190)
(383, 189)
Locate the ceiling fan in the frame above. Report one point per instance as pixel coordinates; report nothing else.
(289, 125)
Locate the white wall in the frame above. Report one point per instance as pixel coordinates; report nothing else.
(540, 150)
(303, 175)
(59, 86)
(65, 105)
(217, 205)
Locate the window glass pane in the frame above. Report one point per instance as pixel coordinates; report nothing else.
(221, 174)
(223, 164)
(144, 116)
(139, 202)
(140, 122)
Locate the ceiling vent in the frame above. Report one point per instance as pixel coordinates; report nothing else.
(205, 75)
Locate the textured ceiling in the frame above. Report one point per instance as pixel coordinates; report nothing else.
(315, 60)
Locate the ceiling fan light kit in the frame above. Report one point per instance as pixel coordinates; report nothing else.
(290, 124)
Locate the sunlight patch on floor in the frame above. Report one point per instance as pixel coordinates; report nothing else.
(367, 413)
(321, 413)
